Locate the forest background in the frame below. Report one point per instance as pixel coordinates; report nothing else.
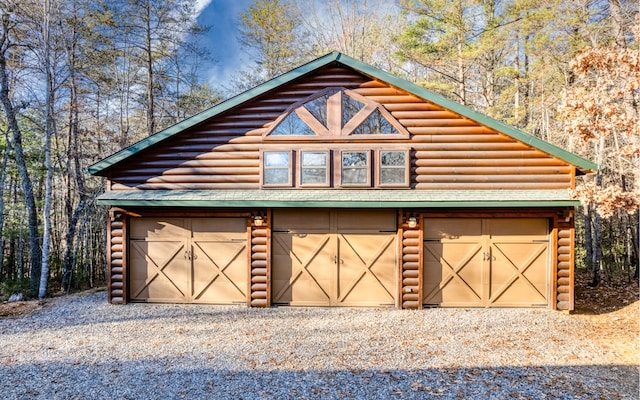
(80, 79)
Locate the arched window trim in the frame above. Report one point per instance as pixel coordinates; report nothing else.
(335, 128)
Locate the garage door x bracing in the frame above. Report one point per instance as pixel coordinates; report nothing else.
(498, 262)
(334, 258)
(191, 260)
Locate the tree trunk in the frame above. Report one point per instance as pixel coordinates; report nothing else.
(596, 256)
(3, 178)
(149, 55)
(25, 179)
(74, 170)
(617, 23)
(588, 236)
(49, 128)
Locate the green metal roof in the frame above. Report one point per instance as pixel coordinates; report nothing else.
(338, 198)
(363, 68)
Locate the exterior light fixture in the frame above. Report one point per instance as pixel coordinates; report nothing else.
(412, 222)
(258, 220)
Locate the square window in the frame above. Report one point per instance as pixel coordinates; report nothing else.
(393, 169)
(355, 168)
(314, 168)
(276, 168)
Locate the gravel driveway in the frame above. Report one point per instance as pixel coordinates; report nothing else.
(81, 347)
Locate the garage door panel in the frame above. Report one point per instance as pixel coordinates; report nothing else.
(343, 258)
(453, 229)
(154, 229)
(160, 272)
(301, 268)
(193, 260)
(219, 272)
(496, 262)
(365, 220)
(302, 220)
(219, 229)
(517, 228)
(453, 273)
(518, 274)
(366, 273)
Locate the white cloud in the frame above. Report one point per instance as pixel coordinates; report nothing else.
(201, 5)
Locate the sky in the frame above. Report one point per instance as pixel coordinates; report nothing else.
(222, 40)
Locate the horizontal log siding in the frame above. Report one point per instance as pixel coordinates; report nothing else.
(259, 274)
(565, 267)
(116, 256)
(411, 279)
(448, 151)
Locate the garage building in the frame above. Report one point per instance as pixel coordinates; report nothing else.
(337, 184)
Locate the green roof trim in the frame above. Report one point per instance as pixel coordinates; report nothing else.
(583, 164)
(324, 198)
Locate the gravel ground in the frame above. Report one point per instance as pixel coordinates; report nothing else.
(81, 347)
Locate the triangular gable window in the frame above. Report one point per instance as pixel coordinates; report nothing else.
(292, 125)
(336, 112)
(318, 108)
(376, 124)
(350, 108)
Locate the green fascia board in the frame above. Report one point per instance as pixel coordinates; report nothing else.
(334, 204)
(366, 69)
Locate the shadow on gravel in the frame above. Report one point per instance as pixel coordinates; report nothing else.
(157, 380)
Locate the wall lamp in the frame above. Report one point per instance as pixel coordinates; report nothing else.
(412, 222)
(258, 220)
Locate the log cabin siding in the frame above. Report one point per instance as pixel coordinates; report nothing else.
(565, 266)
(116, 256)
(259, 267)
(448, 151)
(411, 268)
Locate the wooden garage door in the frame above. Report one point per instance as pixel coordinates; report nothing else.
(334, 258)
(499, 262)
(198, 260)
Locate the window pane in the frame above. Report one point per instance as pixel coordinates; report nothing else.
(276, 167)
(313, 169)
(311, 176)
(350, 108)
(318, 108)
(393, 167)
(375, 124)
(292, 125)
(354, 159)
(276, 159)
(393, 158)
(355, 165)
(314, 159)
(354, 176)
(276, 175)
(392, 176)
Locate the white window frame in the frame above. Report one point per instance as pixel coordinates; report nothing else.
(379, 168)
(301, 168)
(341, 168)
(264, 168)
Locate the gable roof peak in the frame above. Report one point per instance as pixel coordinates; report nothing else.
(102, 166)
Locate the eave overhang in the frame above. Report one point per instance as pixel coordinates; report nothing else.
(338, 198)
